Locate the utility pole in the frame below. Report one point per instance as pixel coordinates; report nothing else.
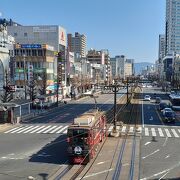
(115, 107)
(127, 89)
(115, 88)
(59, 75)
(25, 90)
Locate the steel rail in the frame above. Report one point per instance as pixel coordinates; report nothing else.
(117, 171)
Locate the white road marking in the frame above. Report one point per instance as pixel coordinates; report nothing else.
(174, 133)
(61, 129)
(167, 156)
(94, 174)
(164, 175)
(153, 131)
(123, 129)
(139, 130)
(53, 131)
(12, 129)
(162, 172)
(35, 127)
(24, 129)
(53, 127)
(168, 133)
(131, 129)
(17, 130)
(165, 141)
(151, 119)
(147, 143)
(160, 132)
(43, 129)
(146, 132)
(151, 154)
(100, 163)
(110, 128)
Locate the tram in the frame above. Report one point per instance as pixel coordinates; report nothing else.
(84, 136)
(175, 101)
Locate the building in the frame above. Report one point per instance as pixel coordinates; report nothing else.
(172, 27)
(161, 53)
(128, 69)
(39, 58)
(120, 66)
(168, 68)
(52, 35)
(132, 70)
(100, 63)
(77, 44)
(113, 67)
(6, 52)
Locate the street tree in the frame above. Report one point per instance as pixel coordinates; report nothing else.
(7, 95)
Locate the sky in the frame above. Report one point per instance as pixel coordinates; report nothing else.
(124, 27)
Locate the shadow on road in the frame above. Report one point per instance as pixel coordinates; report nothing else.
(54, 152)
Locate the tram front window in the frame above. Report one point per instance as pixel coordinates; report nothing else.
(78, 136)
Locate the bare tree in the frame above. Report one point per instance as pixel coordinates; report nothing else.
(7, 95)
(43, 85)
(32, 89)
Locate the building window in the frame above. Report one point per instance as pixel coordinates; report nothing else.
(25, 34)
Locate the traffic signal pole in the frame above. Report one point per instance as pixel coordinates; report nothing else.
(115, 108)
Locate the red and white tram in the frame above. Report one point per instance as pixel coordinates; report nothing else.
(84, 135)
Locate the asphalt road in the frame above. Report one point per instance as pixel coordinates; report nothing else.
(159, 149)
(38, 147)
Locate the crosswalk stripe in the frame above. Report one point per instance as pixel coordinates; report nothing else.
(146, 132)
(110, 128)
(29, 130)
(43, 129)
(123, 129)
(153, 131)
(54, 130)
(37, 129)
(168, 133)
(24, 129)
(160, 132)
(131, 130)
(174, 133)
(139, 130)
(12, 130)
(49, 129)
(61, 130)
(15, 131)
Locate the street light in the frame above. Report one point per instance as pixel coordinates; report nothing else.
(25, 91)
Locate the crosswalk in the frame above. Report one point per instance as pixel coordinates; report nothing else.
(170, 132)
(38, 129)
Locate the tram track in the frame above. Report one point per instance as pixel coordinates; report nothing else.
(62, 174)
(122, 144)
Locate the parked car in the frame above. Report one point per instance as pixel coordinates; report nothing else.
(147, 98)
(162, 105)
(158, 100)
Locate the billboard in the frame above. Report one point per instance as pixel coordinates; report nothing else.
(62, 36)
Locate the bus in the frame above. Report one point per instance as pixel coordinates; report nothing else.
(175, 101)
(84, 135)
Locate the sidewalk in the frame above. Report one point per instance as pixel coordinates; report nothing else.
(4, 127)
(64, 102)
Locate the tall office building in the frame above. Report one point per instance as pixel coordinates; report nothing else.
(172, 27)
(77, 44)
(161, 53)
